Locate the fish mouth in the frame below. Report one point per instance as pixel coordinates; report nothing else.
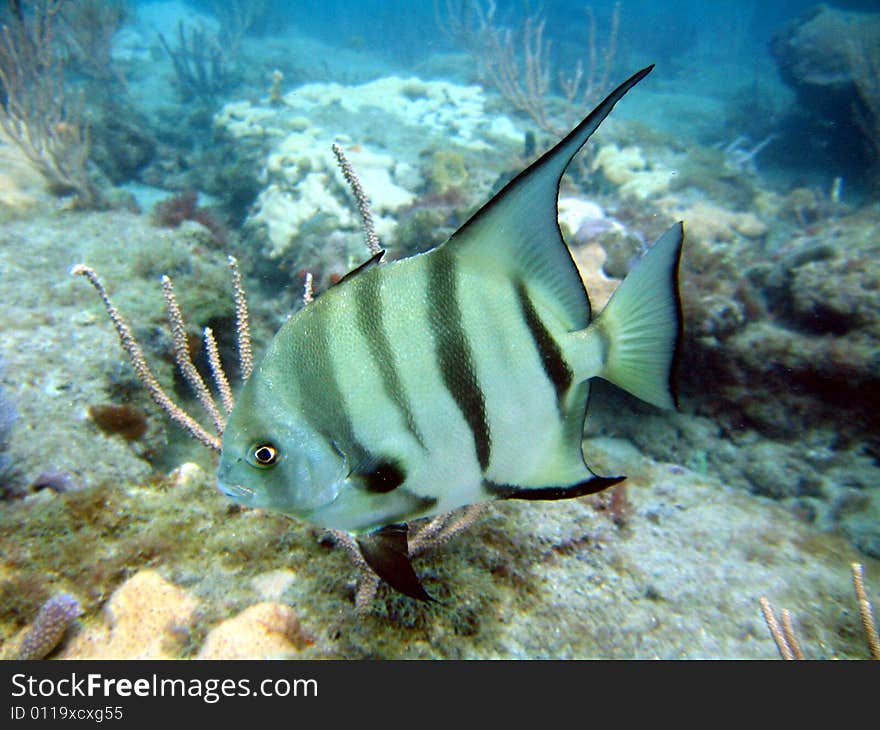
(237, 492)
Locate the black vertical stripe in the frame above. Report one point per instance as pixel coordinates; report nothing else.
(371, 323)
(454, 356)
(320, 395)
(555, 366)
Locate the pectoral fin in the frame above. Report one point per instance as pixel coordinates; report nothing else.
(387, 553)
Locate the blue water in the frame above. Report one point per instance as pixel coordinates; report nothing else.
(720, 51)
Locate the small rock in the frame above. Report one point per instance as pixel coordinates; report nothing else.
(263, 631)
(272, 584)
(187, 475)
(145, 618)
(56, 480)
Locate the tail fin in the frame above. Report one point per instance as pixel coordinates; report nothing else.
(642, 324)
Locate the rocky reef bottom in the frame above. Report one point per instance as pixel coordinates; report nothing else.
(672, 568)
(152, 561)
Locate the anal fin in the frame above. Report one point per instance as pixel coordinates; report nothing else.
(386, 551)
(588, 486)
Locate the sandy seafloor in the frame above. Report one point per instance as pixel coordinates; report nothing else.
(165, 567)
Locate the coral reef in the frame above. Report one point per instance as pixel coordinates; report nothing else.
(831, 58)
(202, 64)
(679, 579)
(22, 187)
(123, 144)
(629, 171)
(783, 630)
(173, 211)
(302, 215)
(120, 419)
(781, 353)
(40, 115)
(518, 62)
(710, 224)
(764, 484)
(47, 376)
(87, 31)
(447, 171)
(429, 221)
(808, 316)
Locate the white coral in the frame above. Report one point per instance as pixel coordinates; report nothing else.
(300, 172)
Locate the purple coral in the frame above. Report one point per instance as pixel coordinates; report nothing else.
(8, 415)
(53, 619)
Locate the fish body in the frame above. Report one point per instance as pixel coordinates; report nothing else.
(452, 377)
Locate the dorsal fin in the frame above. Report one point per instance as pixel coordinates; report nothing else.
(518, 228)
(374, 260)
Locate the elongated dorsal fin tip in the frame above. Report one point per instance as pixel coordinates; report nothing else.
(518, 231)
(386, 551)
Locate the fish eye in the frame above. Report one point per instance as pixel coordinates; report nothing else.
(265, 454)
